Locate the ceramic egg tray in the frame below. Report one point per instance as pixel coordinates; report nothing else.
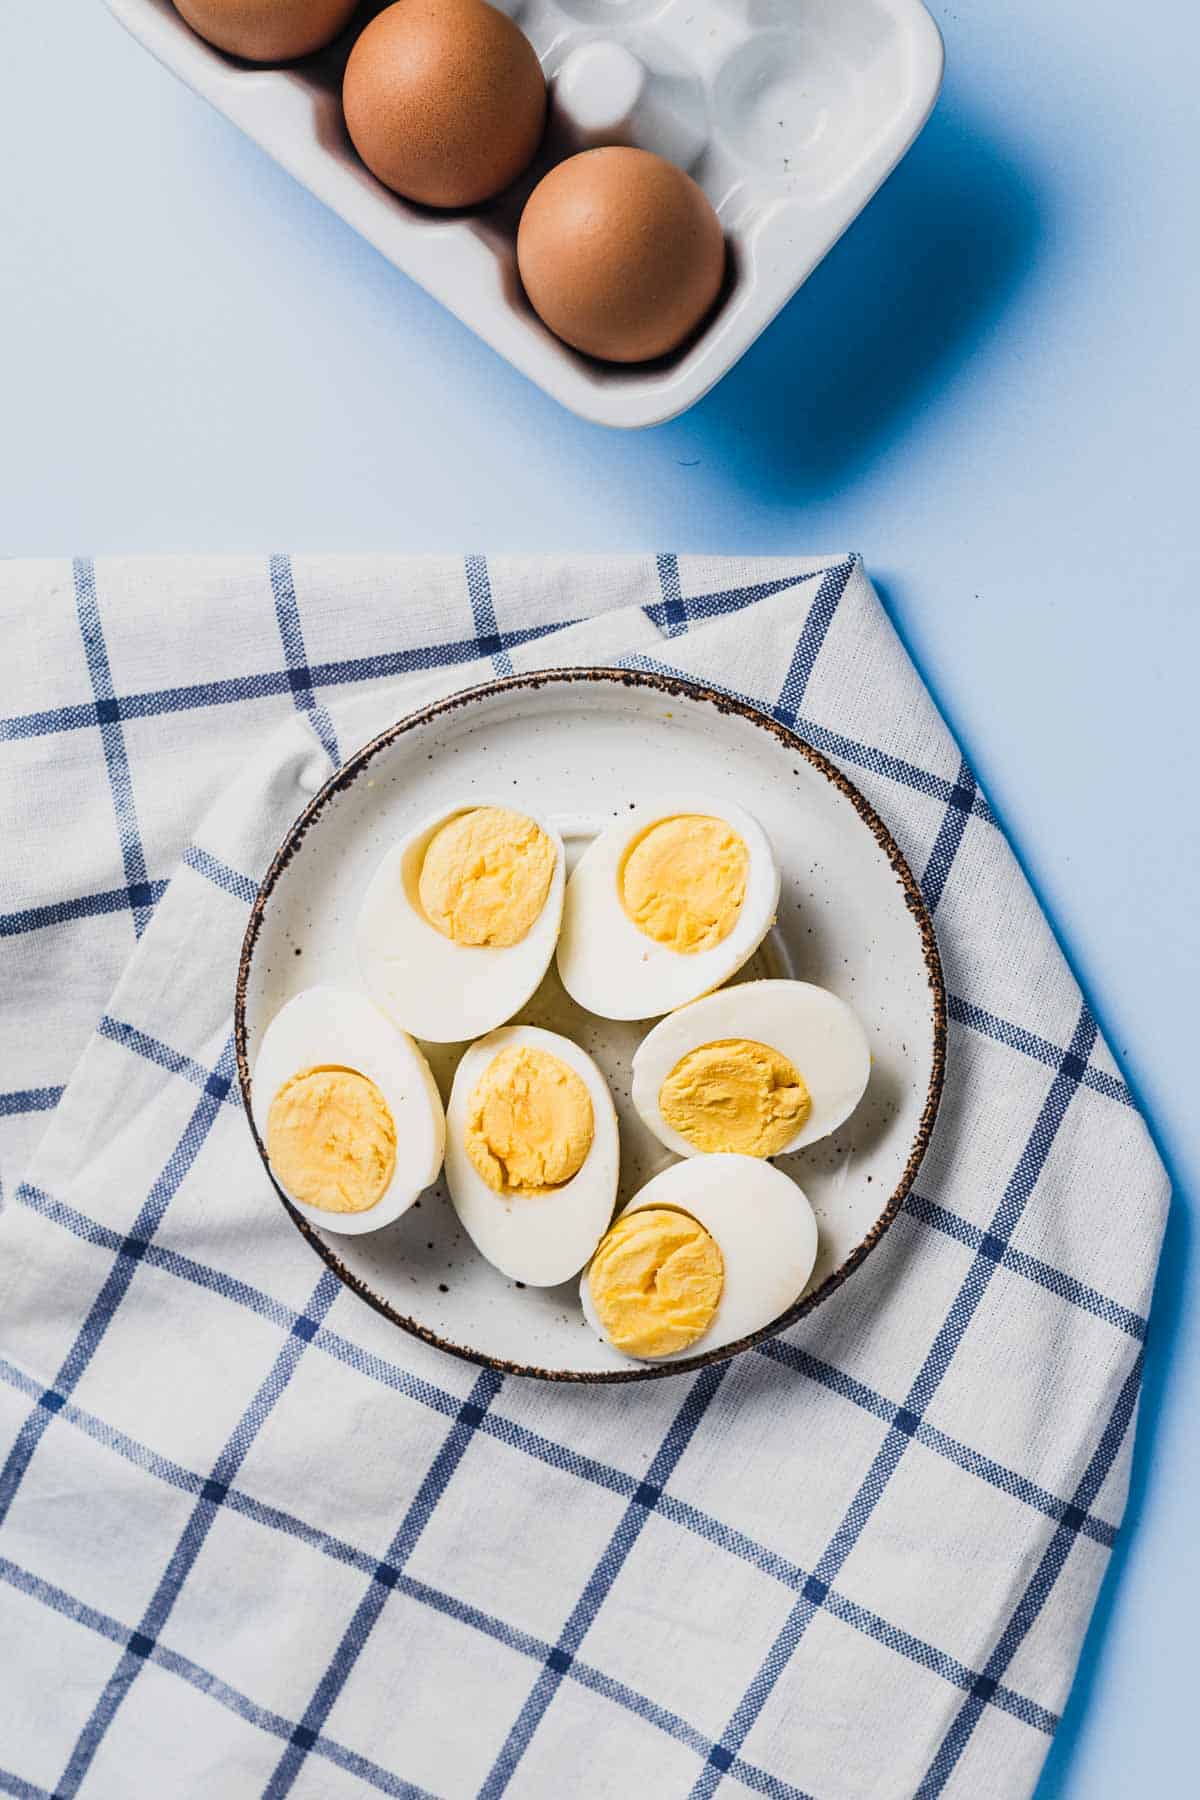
(789, 113)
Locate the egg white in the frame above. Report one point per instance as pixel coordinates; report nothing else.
(817, 1032)
(544, 1238)
(611, 967)
(426, 983)
(763, 1226)
(326, 1026)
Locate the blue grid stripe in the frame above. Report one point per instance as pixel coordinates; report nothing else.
(164, 1468)
(973, 1462)
(669, 615)
(187, 1481)
(156, 1256)
(427, 659)
(116, 1284)
(669, 1507)
(29, 1100)
(726, 1761)
(674, 1510)
(1056, 1281)
(338, 1550)
(106, 1626)
(1033, 1157)
(848, 1387)
(830, 743)
(1019, 1487)
(1029, 1043)
(270, 683)
(811, 641)
(112, 738)
(152, 1049)
(391, 1375)
(892, 768)
(950, 835)
(84, 906)
(291, 633)
(956, 1673)
(483, 612)
(22, 1790)
(141, 896)
(560, 1456)
(599, 1584)
(386, 664)
(900, 1433)
(698, 609)
(182, 1561)
(241, 1293)
(761, 1783)
(69, 1217)
(49, 721)
(871, 1624)
(437, 1479)
(1067, 1287)
(220, 873)
(523, 1642)
(368, 668)
(1037, 1592)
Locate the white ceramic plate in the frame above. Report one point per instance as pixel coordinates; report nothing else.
(789, 113)
(581, 746)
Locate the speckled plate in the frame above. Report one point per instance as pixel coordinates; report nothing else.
(582, 746)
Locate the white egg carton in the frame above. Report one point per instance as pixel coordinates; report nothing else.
(789, 113)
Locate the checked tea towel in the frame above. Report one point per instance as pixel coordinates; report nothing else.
(256, 1541)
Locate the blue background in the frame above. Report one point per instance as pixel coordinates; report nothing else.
(989, 389)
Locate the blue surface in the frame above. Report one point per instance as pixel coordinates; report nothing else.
(984, 389)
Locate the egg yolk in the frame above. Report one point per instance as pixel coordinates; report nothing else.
(331, 1140)
(485, 876)
(656, 1282)
(529, 1122)
(683, 881)
(737, 1095)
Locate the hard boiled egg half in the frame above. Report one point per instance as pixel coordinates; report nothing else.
(664, 906)
(531, 1153)
(347, 1111)
(761, 1069)
(704, 1255)
(460, 920)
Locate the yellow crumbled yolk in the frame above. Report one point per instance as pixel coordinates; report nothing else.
(485, 876)
(737, 1095)
(331, 1140)
(529, 1122)
(683, 881)
(656, 1282)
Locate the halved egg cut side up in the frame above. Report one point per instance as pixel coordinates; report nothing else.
(704, 1255)
(763, 1069)
(531, 1153)
(348, 1111)
(664, 906)
(459, 922)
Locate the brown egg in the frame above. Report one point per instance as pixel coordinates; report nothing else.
(267, 31)
(621, 253)
(445, 100)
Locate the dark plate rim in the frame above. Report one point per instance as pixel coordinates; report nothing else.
(676, 688)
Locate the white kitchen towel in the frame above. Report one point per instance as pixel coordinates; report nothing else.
(256, 1540)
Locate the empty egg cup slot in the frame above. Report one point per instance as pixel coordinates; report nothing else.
(639, 93)
(787, 103)
(613, 15)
